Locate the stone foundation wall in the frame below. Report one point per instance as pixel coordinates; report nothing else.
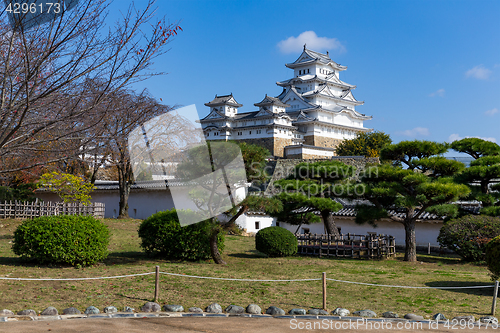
(274, 145)
(321, 141)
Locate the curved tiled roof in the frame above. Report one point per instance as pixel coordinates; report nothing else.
(268, 100)
(223, 100)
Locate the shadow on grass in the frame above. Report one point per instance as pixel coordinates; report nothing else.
(486, 291)
(132, 298)
(128, 257)
(114, 258)
(447, 259)
(248, 255)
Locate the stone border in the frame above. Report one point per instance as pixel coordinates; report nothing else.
(214, 315)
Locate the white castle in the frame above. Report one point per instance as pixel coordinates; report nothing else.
(313, 114)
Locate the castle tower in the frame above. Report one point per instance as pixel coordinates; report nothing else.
(316, 91)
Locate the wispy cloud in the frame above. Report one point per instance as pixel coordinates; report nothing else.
(417, 131)
(439, 92)
(479, 72)
(296, 44)
(455, 137)
(491, 112)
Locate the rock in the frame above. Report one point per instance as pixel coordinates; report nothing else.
(464, 318)
(214, 308)
(173, 308)
(71, 311)
(275, 311)
(316, 312)
(235, 309)
(92, 310)
(438, 316)
(151, 307)
(195, 309)
(341, 312)
(6, 312)
(128, 309)
(27, 313)
(390, 314)
(489, 320)
(254, 309)
(413, 316)
(110, 309)
(365, 313)
(299, 312)
(50, 311)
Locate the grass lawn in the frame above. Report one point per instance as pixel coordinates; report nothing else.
(243, 262)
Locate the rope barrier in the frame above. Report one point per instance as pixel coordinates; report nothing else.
(77, 279)
(244, 280)
(230, 279)
(410, 287)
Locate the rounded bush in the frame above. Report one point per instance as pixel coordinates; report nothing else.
(493, 257)
(162, 235)
(276, 242)
(64, 239)
(468, 235)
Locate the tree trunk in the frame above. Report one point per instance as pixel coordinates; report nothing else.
(410, 241)
(214, 250)
(329, 223)
(125, 176)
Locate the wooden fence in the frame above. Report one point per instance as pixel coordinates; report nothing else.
(25, 210)
(369, 246)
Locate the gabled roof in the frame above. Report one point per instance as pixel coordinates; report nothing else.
(224, 100)
(331, 79)
(214, 115)
(309, 57)
(293, 93)
(301, 116)
(325, 91)
(268, 100)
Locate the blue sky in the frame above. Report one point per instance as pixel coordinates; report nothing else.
(425, 69)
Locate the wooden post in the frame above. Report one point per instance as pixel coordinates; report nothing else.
(157, 284)
(324, 290)
(495, 295)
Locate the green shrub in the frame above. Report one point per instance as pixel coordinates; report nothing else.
(468, 235)
(276, 242)
(162, 235)
(493, 257)
(65, 239)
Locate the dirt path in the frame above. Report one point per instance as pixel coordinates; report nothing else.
(223, 325)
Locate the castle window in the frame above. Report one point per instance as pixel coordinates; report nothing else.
(240, 133)
(208, 134)
(249, 132)
(258, 131)
(308, 71)
(257, 225)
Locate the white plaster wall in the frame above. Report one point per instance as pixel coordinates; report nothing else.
(248, 222)
(425, 232)
(142, 204)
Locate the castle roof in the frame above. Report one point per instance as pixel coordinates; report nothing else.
(308, 57)
(325, 91)
(268, 100)
(224, 100)
(331, 78)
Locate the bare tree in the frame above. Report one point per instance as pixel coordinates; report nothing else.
(48, 74)
(130, 110)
